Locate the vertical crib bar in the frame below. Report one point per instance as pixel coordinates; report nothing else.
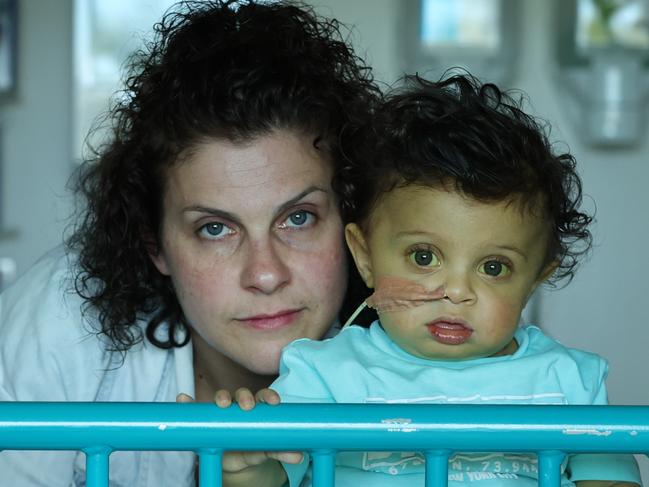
(436, 468)
(324, 468)
(97, 467)
(550, 468)
(209, 468)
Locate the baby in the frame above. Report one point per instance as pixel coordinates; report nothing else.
(464, 211)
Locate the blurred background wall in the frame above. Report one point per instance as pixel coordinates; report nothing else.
(603, 309)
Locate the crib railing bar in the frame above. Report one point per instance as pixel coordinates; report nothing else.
(209, 468)
(351, 427)
(550, 468)
(324, 468)
(97, 466)
(436, 468)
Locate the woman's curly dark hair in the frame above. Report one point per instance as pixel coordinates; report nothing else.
(215, 69)
(477, 138)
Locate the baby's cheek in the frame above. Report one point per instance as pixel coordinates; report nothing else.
(406, 318)
(507, 312)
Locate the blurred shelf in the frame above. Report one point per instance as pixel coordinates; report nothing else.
(7, 234)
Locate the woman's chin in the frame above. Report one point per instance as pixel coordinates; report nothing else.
(264, 363)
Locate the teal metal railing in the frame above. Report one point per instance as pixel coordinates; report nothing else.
(437, 431)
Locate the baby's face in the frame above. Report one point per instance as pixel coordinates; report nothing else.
(481, 262)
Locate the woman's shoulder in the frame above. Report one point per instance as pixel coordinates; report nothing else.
(44, 294)
(45, 338)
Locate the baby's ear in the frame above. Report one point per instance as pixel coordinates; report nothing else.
(547, 271)
(544, 275)
(360, 252)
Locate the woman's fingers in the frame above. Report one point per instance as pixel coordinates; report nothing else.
(222, 398)
(244, 398)
(182, 397)
(236, 461)
(286, 456)
(267, 396)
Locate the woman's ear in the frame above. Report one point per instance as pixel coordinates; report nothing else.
(360, 252)
(155, 252)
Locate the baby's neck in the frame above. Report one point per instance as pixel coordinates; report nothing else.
(510, 349)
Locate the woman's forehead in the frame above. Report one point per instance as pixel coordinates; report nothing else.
(271, 168)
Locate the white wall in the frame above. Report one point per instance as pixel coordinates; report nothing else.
(602, 310)
(36, 133)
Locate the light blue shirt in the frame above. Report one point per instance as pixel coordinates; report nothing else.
(365, 366)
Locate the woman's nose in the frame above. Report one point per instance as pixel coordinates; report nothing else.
(264, 269)
(458, 287)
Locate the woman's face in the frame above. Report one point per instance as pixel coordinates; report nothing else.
(252, 240)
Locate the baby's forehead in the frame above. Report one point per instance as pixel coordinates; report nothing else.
(528, 204)
(445, 209)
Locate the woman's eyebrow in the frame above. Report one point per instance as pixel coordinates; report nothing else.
(311, 189)
(226, 215)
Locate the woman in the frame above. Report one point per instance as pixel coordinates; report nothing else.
(212, 234)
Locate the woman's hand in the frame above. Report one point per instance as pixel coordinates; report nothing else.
(247, 468)
(237, 461)
(245, 399)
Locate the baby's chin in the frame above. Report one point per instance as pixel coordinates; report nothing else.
(458, 353)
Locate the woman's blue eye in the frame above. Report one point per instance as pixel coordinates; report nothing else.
(214, 230)
(299, 218)
(494, 268)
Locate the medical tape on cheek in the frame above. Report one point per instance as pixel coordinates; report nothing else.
(396, 294)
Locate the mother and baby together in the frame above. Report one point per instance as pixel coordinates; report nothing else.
(257, 188)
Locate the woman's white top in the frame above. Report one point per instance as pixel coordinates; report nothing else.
(50, 352)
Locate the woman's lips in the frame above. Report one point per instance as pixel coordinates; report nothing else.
(271, 321)
(449, 331)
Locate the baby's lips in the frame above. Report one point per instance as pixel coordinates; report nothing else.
(449, 332)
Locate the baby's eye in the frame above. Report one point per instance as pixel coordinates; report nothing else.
(495, 268)
(298, 219)
(215, 231)
(424, 258)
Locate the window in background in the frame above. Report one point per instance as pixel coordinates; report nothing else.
(8, 40)
(586, 28)
(460, 23)
(479, 35)
(605, 23)
(603, 69)
(105, 33)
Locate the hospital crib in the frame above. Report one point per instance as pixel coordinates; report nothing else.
(436, 431)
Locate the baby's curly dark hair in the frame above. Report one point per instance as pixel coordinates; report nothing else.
(215, 69)
(477, 138)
